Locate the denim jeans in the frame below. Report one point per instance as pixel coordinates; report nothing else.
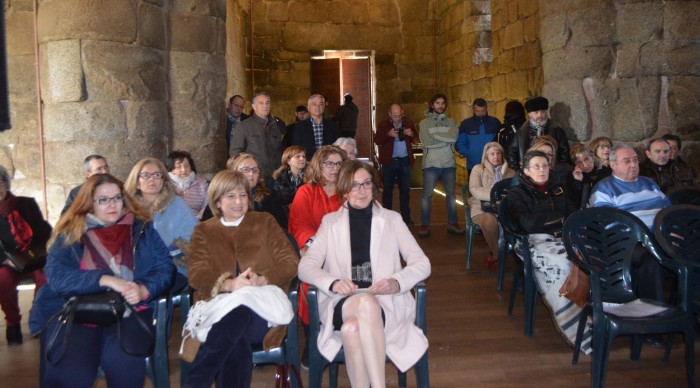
(431, 175)
(397, 170)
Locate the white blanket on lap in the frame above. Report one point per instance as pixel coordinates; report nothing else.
(551, 267)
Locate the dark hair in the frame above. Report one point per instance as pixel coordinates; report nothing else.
(177, 156)
(479, 102)
(654, 140)
(676, 138)
(346, 178)
(90, 158)
(529, 155)
(514, 109)
(230, 100)
(435, 98)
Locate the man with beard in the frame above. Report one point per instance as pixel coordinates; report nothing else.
(538, 124)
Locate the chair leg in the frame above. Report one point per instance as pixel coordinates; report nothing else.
(159, 359)
(530, 299)
(517, 278)
(502, 254)
(470, 242)
(423, 371)
(333, 375)
(669, 345)
(583, 317)
(635, 347)
(402, 379)
(690, 356)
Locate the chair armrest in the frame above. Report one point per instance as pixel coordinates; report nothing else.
(421, 306)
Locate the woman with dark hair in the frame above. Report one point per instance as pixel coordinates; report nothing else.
(601, 147)
(188, 185)
(105, 241)
(513, 119)
(365, 304)
(235, 249)
(290, 175)
(22, 227)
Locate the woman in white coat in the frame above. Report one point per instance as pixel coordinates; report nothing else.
(365, 303)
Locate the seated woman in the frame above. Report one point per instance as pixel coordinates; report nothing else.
(22, 227)
(290, 175)
(187, 184)
(104, 241)
(349, 145)
(264, 199)
(585, 175)
(235, 249)
(150, 185)
(365, 301)
(548, 145)
(601, 147)
(493, 169)
(539, 207)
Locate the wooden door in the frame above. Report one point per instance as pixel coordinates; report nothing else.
(356, 82)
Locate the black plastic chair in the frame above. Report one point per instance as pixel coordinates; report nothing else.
(499, 191)
(602, 242)
(285, 355)
(472, 228)
(677, 229)
(685, 196)
(512, 237)
(318, 363)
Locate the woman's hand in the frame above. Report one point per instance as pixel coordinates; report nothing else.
(246, 278)
(344, 287)
(385, 287)
(132, 292)
(578, 173)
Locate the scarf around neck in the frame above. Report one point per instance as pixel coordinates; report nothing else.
(19, 228)
(108, 246)
(181, 183)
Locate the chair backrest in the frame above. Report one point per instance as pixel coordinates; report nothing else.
(467, 210)
(602, 241)
(505, 218)
(677, 230)
(685, 196)
(500, 189)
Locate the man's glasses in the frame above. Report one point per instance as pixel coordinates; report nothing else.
(365, 185)
(148, 175)
(329, 164)
(106, 200)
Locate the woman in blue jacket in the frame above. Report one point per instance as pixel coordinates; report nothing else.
(104, 241)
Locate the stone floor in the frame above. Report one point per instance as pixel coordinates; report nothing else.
(472, 340)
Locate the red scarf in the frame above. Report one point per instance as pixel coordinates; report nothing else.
(109, 247)
(19, 227)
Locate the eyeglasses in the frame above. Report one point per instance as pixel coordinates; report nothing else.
(249, 170)
(329, 164)
(603, 146)
(365, 185)
(538, 166)
(148, 175)
(627, 161)
(106, 200)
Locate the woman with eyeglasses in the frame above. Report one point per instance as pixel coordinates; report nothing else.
(549, 146)
(365, 302)
(314, 200)
(22, 228)
(104, 241)
(149, 184)
(601, 147)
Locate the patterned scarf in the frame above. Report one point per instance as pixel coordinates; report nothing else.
(109, 246)
(19, 227)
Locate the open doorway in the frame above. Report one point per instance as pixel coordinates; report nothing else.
(334, 73)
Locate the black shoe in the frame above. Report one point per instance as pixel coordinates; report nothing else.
(14, 335)
(305, 359)
(655, 341)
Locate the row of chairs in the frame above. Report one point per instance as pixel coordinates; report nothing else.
(607, 237)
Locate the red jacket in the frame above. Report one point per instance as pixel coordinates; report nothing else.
(386, 142)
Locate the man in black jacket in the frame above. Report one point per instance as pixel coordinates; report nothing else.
(315, 132)
(538, 125)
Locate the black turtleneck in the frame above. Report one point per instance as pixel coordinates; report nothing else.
(360, 236)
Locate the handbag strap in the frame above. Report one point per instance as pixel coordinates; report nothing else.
(65, 320)
(144, 326)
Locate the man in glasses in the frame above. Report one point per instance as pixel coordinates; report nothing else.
(234, 116)
(93, 164)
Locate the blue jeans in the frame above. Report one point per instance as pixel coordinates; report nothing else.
(397, 170)
(431, 175)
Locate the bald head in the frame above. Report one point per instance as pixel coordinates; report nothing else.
(396, 113)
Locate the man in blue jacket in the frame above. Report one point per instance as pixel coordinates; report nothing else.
(475, 132)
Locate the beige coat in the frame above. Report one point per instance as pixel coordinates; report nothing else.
(329, 259)
(480, 182)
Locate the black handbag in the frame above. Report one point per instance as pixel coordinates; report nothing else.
(27, 261)
(103, 309)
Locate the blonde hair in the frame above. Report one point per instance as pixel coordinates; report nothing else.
(314, 171)
(73, 223)
(167, 193)
(261, 190)
(223, 182)
(498, 147)
(548, 141)
(288, 154)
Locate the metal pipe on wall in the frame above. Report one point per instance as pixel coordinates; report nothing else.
(39, 111)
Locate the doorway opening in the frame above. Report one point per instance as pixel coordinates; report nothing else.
(337, 72)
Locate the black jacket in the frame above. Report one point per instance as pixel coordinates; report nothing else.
(668, 176)
(29, 211)
(534, 211)
(521, 142)
(304, 135)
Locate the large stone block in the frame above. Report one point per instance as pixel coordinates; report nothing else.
(683, 60)
(66, 80)
(21, 78)
(412, 10)
(592, 26)
(681, 25)
(498, 87)
(639, 22)
(195, 119)
(197, 77)
(115, 71)
(530, 28)
(200, 7)
(651, 58)
(568, 108)
(577, 62)
(383, 13)
(528, 7)
(277, 12)
(96, 19)
(146, 118)
(527, 56)
(19, 33)
(190, 32)
(517, 83)
(23, 118)
(313, 12)
(151, 26)
(554, 33)
(87, 121)
(309, 36)
(634, 107)
(684, 106)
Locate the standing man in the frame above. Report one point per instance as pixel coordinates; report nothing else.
(234, 116)
(315, 132)
(475, 132)
(93, 164)
(664, 171)
(346, 116)
(538, 124)
(260, 135)
(438, 133)
(395, 138)
(301, 114)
